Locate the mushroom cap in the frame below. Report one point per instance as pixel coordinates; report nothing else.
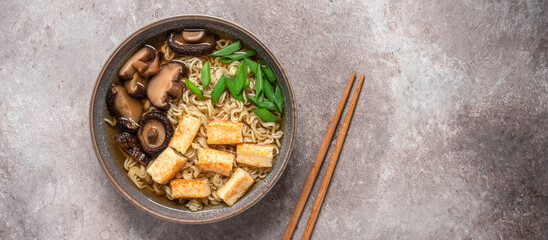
(155, 133)
(192, 42)
(124, 108)
(130, 144)
(146, 61)
(165, 85)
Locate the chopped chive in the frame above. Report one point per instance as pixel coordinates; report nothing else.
(252, 65)
(228, 77)
(225, 60)
(242, 67)
(241, 76)
(194, 88)
(265, 115)
(279, 98)
(267, 71)
(262, 103)
(231, 84)
(218, 90)
(268, 91)
(206, 75)
(239, 98)
(259, 83)
(246, 85)
(227, 50)
(237, 56)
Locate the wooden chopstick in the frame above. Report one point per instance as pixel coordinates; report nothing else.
(332, 163)
(317, 163)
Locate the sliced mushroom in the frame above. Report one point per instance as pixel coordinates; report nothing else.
(155, 133)
(138, 68)
(166, 85)
(193, 42)
(136, 86)
(124, 108)
(130, 144)
(145, 61)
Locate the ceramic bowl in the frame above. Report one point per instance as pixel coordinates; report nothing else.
(111, 159)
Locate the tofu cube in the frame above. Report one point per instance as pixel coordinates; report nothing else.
(215, 161)
(184, 135)
(166, 166)
(235, 187)
(254, 155)
(195, 188)
(224, 132)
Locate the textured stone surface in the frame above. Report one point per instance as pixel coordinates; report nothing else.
(449, 139)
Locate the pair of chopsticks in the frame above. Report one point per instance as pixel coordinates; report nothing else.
(319, 160)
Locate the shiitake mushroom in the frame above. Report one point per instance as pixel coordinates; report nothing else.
(192, 42)
(155, 133)
(166, 85)
(136, 70)
(130, 144)
(124, 108)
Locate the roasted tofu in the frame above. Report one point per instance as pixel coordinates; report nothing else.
(224, 132)
(254, 155)
(215, 161)
(235, 187)
(184, 135)
(166, 166)
(195, 188)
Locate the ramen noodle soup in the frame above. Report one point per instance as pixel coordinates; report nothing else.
(199, 118)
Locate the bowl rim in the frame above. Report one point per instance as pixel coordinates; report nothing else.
(144, 207)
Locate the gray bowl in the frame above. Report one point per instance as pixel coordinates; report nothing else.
(110, 158)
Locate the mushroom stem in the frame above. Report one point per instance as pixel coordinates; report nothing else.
(152, 133)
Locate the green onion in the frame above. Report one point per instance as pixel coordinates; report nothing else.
(225, 60)
(227, 50)
(265, 115)
(268, 91)
(231, 84)
(267, 71)
(259, 84)
(241, 76)
(247, 82)
(206, 75)
(218, 90)
(228, 77)
(252, 65)
(262, 103)
(279, 98)
(194, 88)
(237, 56)
(239, 98)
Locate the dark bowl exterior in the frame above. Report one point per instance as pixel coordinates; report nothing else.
(109, 157)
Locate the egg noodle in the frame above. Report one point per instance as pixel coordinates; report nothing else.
(255, 130)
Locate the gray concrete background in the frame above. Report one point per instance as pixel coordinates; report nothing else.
(449, 139)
